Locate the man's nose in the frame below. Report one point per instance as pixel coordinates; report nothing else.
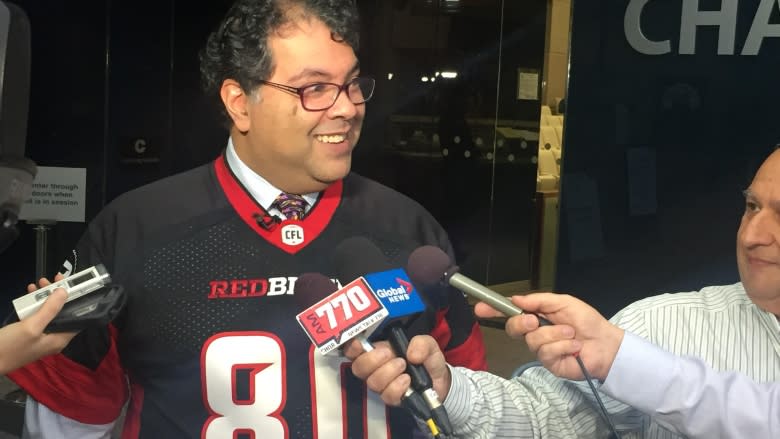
(761, 229)
(343, 107)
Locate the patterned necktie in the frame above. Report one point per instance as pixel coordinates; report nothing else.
(292, 206)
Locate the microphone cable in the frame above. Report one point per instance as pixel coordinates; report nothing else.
(414, 402)
(602, 409)
(589, 379)
(421, 381)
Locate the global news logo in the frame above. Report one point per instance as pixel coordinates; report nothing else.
(396, 294)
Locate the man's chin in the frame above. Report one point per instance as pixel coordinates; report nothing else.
(327, 181)
(330, 176)
(762, 291)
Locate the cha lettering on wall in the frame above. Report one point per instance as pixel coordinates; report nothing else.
(692, 19)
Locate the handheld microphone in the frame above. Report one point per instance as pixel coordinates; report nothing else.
(429, 265)
(357, 255)
(312, 288)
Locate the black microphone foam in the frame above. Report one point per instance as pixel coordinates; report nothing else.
(427, 265)
(356, 256)
(310, 288)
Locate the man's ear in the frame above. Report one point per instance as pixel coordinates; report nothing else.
(236, 104)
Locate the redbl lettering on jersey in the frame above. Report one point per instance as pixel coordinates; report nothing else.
(342, 315)
(240, 288)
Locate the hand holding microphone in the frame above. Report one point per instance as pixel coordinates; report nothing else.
(429, 265)
(579, 329)
(356, 256)
(316, 292)
(388, 376)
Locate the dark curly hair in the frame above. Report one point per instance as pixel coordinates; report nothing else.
(238, 49)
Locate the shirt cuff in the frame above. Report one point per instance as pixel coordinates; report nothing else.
(458, 401)
(638, 361)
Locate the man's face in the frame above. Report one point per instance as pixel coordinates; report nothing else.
(758, 239)
(302, 151)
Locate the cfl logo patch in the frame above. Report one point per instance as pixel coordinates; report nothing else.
(292, 234)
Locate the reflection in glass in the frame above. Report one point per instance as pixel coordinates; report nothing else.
(446, 126)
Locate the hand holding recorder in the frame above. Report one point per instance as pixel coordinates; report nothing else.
(92, 300)
(24, 342)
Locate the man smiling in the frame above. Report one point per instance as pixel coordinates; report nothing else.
(209, 341)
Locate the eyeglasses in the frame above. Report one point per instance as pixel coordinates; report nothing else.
(320, 96)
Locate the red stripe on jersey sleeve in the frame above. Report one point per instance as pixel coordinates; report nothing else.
(441, 332)
(75, 391)
(471, 353)
(132, 427)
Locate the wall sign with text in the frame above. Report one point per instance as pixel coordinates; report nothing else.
(58, 194)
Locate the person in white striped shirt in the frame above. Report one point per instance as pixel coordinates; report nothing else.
(729, 328)
(681, 392)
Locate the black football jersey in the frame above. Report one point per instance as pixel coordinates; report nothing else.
(208, 344)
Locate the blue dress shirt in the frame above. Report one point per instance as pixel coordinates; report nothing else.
(686, 395)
